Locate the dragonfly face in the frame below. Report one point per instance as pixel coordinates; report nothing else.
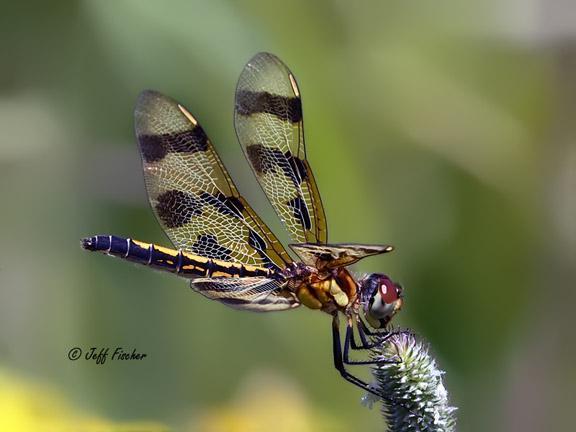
(381, 299)
(221, 244)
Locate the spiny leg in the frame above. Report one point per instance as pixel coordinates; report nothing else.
(364, 343)
(349, 341)
(339, 360)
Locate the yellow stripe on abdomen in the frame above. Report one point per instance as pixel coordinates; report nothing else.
(174, 261)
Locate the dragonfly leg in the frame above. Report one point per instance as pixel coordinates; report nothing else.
(370, 331)
(362, 332)
(349, 338)
(364, 343)
(339, 360)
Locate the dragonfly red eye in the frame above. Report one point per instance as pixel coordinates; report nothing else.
(388, 291)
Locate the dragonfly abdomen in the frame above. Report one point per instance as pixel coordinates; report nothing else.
(171, 260)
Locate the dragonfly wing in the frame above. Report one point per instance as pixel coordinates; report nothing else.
(336, 255)
(248, 293)
(270, 128)
(192, 194)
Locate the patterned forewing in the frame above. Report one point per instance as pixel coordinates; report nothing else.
(269, 125)
(191, 193)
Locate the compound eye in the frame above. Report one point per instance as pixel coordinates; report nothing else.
(388, 291)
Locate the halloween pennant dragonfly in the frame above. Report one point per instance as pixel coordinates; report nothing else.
(222, 245)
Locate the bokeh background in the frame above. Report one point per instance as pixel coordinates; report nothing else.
(445, 128)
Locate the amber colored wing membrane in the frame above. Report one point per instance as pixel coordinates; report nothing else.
(270, 128)
(248, 293)
(191, 193)
(336, 255)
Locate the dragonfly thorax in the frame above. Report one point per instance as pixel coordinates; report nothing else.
(326, 290)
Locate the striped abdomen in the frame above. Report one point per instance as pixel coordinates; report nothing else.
(175, 261)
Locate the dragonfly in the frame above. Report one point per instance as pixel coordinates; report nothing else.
(223, 247)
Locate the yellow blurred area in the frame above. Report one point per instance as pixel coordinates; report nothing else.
(27, 406)
(267, 402)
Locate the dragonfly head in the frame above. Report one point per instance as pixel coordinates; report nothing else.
(381, 298)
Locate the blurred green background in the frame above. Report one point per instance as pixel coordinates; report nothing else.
(444, 128)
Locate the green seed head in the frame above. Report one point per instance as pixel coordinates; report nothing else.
(414, 384)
